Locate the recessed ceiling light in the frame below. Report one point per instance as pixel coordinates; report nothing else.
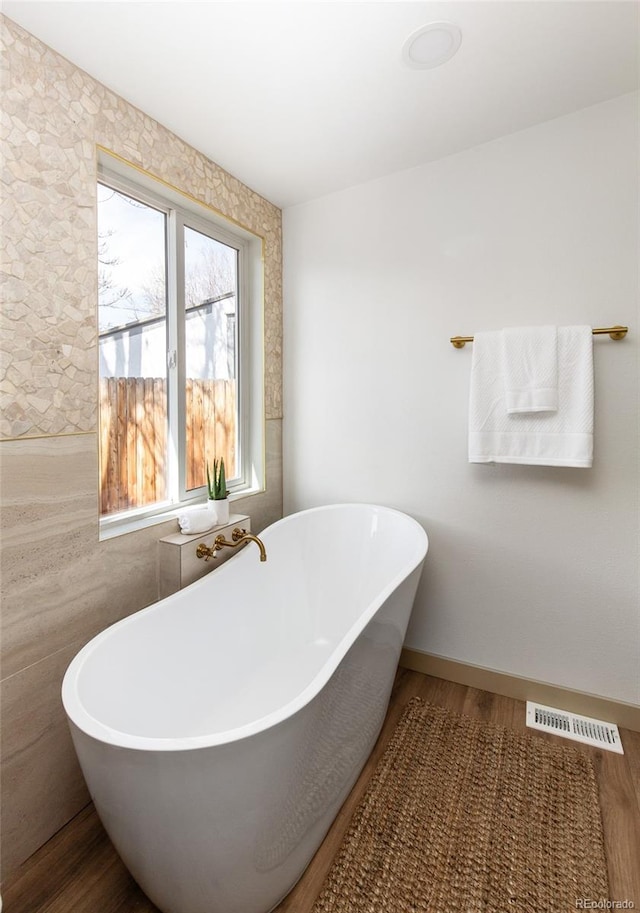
(431, 45)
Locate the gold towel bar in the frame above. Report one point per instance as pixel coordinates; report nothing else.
(614, 332)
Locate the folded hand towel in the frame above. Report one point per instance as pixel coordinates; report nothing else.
(530, 366)
(562, 438)
(197, 520)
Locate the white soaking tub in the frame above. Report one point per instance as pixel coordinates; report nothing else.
(220, 729)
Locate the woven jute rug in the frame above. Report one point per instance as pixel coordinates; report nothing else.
(462, 816)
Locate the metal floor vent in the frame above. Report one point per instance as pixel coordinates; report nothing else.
(572, 726)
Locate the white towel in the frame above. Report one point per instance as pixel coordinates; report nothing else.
(562, 438)
(197, 520)
(530, 366)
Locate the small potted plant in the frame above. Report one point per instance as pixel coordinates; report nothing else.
(218, 502)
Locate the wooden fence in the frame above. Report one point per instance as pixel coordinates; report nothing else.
(133, 437)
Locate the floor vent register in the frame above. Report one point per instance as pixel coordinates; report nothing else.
(572, 726)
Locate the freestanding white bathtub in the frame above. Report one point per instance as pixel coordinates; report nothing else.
(221, 729)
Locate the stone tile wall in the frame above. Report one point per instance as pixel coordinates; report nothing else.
(60, 584)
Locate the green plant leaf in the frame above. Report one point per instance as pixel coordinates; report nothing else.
(222, 481)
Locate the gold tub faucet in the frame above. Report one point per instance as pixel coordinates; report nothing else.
(238, 536)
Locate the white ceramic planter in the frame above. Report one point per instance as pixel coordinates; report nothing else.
(222, 510)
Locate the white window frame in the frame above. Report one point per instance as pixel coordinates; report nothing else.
(183, 211)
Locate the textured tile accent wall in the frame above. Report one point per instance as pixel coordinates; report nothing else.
(54, 116)
(60, 583)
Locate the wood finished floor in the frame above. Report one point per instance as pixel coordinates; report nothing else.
(78, 871)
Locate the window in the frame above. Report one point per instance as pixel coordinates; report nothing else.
(180, 378)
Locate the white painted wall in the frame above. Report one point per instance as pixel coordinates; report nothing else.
(531, 570)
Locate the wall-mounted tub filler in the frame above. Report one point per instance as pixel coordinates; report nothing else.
(238, 536)
(221, 729)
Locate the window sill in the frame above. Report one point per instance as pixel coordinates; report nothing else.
(111, 528)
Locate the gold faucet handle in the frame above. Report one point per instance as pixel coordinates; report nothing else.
(238, 533)
(203, 551)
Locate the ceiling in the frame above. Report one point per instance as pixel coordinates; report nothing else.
(299, 99)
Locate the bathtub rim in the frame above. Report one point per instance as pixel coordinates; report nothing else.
(90, 726)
